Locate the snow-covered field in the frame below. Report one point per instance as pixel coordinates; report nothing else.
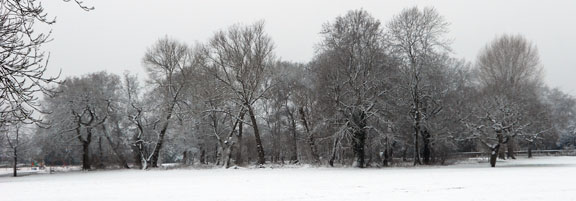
(544, 178)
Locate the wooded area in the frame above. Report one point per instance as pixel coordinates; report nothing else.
(373, 94)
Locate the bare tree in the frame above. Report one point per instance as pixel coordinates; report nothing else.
(168, 63)
(240, 57)
(18, 140)
(22, 62)
(509, 63)
(417, 38)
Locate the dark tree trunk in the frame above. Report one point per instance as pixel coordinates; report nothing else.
(158, 147)
(426, 151)
(86, 163)
(494, 155)
(404, 153)
(510, 146)
(203, 157)
(334, 150)
(358, 137)
(386, 158)
(15, 164)
(259, 147)
(156, 153)
(294, 156)
(530, 147)
(185, 158)
(500, 136)
(358, 147)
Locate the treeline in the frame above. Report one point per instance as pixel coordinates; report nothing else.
(372, 93)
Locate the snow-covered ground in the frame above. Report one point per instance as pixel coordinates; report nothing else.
(544, 178)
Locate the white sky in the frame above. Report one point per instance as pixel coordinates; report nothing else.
(114, 37)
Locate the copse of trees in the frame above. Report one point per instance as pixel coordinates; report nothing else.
(372, 94)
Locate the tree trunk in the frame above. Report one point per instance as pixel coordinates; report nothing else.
(359, 137)
(239, 159)
(15, 164)
(138, 148)
(501, 154)
(510, 146)
(203, 157)
(227, 155)
(386, 158)
(494, 154)
(156, 153)
(86, 163)
(358, 147)
(426, 152)
(404, 153)
(311, 141)
(334, 149)
(259, 147)
(86, 155)
(121, 159)
(294, 156)
(417, 119)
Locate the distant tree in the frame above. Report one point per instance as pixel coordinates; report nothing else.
(17, 138)
(508, 64)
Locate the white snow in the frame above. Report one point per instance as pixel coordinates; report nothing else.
(544, 178)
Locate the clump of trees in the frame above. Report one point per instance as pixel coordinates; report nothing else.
(373, 94)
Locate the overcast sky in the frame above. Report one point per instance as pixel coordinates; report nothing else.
(114, 37)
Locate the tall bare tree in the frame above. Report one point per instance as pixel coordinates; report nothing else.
(509, 62)
(417, 37)
(240, 57)
(168, 63)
